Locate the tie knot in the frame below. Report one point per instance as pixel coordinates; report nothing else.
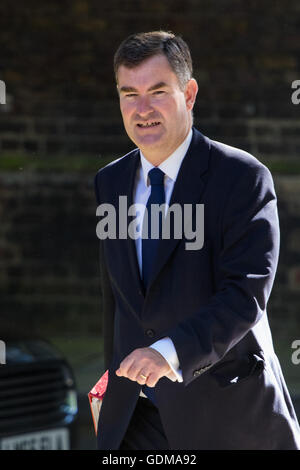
(156, 176)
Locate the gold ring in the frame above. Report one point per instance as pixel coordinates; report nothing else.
(143, 376)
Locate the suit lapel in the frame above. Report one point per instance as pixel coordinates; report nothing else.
(122, 252)
(188, 189)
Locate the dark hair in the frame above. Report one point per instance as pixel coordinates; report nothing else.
(141, 46)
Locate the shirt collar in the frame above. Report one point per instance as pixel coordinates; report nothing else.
(171, 165)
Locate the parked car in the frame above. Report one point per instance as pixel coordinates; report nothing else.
(38, 399)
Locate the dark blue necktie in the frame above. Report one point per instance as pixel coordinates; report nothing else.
(150, 245)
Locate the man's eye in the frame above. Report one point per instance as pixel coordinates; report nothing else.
(159, 92)
(131, 95)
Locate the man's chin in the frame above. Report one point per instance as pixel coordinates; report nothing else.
(148, 141)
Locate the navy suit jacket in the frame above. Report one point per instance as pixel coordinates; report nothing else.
(211, 302)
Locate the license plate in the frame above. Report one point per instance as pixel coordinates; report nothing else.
(54, 439)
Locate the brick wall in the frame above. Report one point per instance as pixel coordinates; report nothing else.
(61, 91)
(70, 135)
(48, 252)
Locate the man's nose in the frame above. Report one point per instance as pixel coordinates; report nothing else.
(143, 106)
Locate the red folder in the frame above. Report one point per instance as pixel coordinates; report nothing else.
(95, 396)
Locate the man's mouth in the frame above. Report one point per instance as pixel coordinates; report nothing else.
(146, 125)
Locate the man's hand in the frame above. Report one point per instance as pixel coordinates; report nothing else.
(145, 366)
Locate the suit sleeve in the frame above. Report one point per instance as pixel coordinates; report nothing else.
(108, 303)
(246, 269)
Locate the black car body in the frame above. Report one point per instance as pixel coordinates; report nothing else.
(38, 400)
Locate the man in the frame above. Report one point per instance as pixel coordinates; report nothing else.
(187, 341)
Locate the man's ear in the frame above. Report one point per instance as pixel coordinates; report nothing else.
(190, 93)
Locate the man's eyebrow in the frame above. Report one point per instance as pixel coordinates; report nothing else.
(130, 89)
(157, 85)
(127, 89)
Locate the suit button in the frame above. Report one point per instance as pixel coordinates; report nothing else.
(196, 373)
(150, 333)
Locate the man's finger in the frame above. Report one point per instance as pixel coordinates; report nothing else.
(124, 367)
(172, 376)
(134, 372)
(141, 378)
(152, 380)
(145, 361)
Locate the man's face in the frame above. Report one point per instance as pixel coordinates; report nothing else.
(156, 111)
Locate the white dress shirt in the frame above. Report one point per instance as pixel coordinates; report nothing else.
(142, 190)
